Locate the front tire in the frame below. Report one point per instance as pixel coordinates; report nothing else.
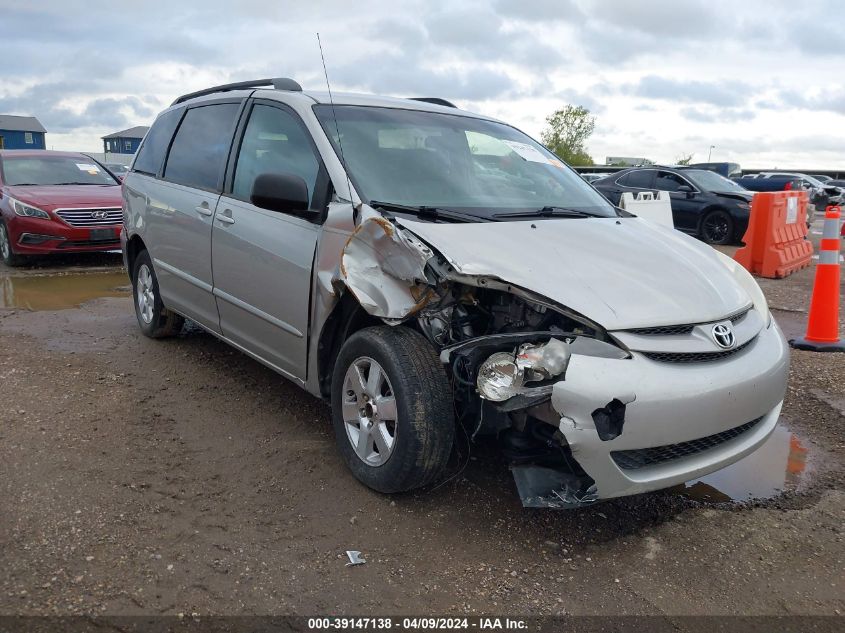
(154, 319)
(392, 409)
(717, 227)
(6, 254)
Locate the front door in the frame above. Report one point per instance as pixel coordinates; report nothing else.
(262, 259)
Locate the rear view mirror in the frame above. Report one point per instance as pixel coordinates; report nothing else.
(280, 192)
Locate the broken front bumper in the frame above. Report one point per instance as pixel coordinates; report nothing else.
(681, 420)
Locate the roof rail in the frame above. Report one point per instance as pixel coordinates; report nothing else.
(279, 83)
(435, 101)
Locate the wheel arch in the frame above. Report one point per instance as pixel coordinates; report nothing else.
(133, 247)
(346, 318)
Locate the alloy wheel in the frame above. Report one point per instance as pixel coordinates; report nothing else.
(369, 411)
(145, 294)
(716, 229)
(5, 248)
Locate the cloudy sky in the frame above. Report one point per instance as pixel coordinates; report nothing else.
(763, 81)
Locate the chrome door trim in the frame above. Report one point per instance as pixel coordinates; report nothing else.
(287, 327)
(183, 275)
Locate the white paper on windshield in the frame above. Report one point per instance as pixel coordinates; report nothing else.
(527, 152)
(791, 210)
(89, 167)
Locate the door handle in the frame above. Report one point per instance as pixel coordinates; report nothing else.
(203, 211)
(225, 219)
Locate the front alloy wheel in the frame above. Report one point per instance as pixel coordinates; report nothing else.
(9, 258)
(369, 411)
(717, 227)
(392, 409)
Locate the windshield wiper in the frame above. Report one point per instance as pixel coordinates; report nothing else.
(549, 212)
(426, 213)
(99, 184)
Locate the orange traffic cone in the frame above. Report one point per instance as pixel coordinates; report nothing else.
(823, 321)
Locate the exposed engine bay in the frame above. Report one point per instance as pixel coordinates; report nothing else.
(503, 349)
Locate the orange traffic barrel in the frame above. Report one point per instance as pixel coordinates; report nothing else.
(823, 320)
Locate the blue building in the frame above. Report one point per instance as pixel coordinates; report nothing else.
(125, 141)
(21, 132)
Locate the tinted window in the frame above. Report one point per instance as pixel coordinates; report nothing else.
(151, 155)
(640, 178)
(667, 181)
(274, 142)
(198, 153)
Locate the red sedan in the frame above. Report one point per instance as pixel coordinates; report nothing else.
(56, 202)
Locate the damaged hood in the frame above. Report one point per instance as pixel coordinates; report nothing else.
(620, 272)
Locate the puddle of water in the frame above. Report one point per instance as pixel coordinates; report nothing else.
(777, 466)
(60, 292)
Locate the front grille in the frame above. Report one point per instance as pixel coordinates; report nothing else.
(667, 330)
(644, 457)
(85, 217)
(694, 357)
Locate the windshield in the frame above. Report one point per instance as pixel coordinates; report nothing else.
(711, 181)
(54, 170)
(448, 161)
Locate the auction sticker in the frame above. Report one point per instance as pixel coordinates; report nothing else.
(791, 210)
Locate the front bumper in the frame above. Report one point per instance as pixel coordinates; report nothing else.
(38, 236)
(669, 404)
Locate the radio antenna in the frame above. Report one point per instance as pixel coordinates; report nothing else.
(334, 116)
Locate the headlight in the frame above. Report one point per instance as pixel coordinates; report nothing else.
(744, 279)
(504, 374)
(28, 211)
(499, 378)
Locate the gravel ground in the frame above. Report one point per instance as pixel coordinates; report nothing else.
(166, 477)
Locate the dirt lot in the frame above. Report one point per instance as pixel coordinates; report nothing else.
(166, 477)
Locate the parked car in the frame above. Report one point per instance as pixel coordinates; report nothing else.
(822, 194)
(117, 170)
(822, 178)
(703, 202)
(419, 266)
(592, 177)
(56, 202)
(837, 182)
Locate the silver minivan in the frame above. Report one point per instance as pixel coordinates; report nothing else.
(438, 275)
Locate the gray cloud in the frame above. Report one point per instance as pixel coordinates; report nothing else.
(719, 93)
(717, 115)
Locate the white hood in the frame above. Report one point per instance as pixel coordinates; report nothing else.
(621, 273)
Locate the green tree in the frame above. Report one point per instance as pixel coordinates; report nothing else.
(684, 159)
(567, 130)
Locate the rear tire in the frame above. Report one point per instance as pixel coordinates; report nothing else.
(392, 409)
(6, 254)
(155, 320)
(717, 227)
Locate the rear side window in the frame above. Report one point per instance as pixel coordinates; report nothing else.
(640, 178)
(151, 155)
(199, 151)
(667, 181)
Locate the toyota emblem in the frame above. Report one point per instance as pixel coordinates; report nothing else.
(723, 335)
(99, 214)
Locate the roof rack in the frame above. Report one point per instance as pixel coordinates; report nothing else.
(279, 83)
(435, 101)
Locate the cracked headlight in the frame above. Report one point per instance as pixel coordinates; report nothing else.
(744, 279)
(28, 211)
(504, 374)
(499, 377)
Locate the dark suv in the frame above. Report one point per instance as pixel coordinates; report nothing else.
(703, 202)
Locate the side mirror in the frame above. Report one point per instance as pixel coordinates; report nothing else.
(286, 193)
(686, 189)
